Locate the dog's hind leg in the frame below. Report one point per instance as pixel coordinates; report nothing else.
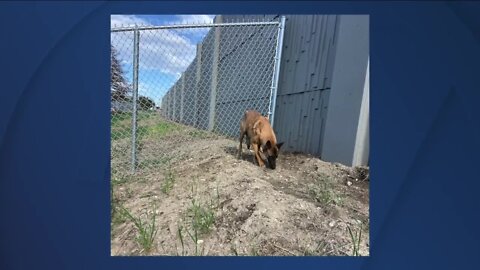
(240, 147)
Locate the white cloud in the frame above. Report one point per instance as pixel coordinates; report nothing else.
(186, 19)
(169, 51)
(126, 20)
(195, 19)
(131, 20)
(165, 50)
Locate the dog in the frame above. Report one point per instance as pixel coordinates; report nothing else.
(260, 135)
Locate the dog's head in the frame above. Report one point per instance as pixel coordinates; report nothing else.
(270, 153)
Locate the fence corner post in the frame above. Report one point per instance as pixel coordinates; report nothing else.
(215, 63)
(136, 43)
(198, 74)
(276, 70)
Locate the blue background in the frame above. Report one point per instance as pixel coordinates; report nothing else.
(54, 135)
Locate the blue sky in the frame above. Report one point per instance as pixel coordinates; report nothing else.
(164, 54)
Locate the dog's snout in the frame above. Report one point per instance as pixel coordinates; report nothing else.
(272, 162)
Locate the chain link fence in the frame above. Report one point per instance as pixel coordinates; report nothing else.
(173, 84)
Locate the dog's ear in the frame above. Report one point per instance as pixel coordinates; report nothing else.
(279, 145)
(267, 116)
(267, 146)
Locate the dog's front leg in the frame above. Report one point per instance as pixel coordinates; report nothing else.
(257, 155)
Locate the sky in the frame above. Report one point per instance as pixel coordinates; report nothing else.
(164, 54)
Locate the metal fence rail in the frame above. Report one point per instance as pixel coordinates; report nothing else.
(168, 81)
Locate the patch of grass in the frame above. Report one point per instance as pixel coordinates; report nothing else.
(142, 115)
(325, 195)
(115, 214)
(121, 132)
(307, 252)
(254, 251)
(215, 199)
(120, 179)
(129, 192)
(202, 217)
(119, 117)
(121, 126)
(180, 236)
(198, 221)
(196, 133)
(356, 237)
(147, 230)
(158, 130)
(318, 250)
(324, 192)
(217, 196)
(168, 182)
(233, 248)
(194, 236)
(117, 217)
(154, 162)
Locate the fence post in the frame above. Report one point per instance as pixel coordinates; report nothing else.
(197, 82)
(182, 96)
(213, 93)
(172, 102)
(276, 70)
(167, 106)
(136, 43)
(174, 108)
(169, 102)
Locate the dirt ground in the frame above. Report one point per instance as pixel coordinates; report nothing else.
(196, 197)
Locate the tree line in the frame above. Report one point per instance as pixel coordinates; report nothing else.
(121, 90)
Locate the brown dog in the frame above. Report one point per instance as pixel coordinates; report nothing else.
(261, 136)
